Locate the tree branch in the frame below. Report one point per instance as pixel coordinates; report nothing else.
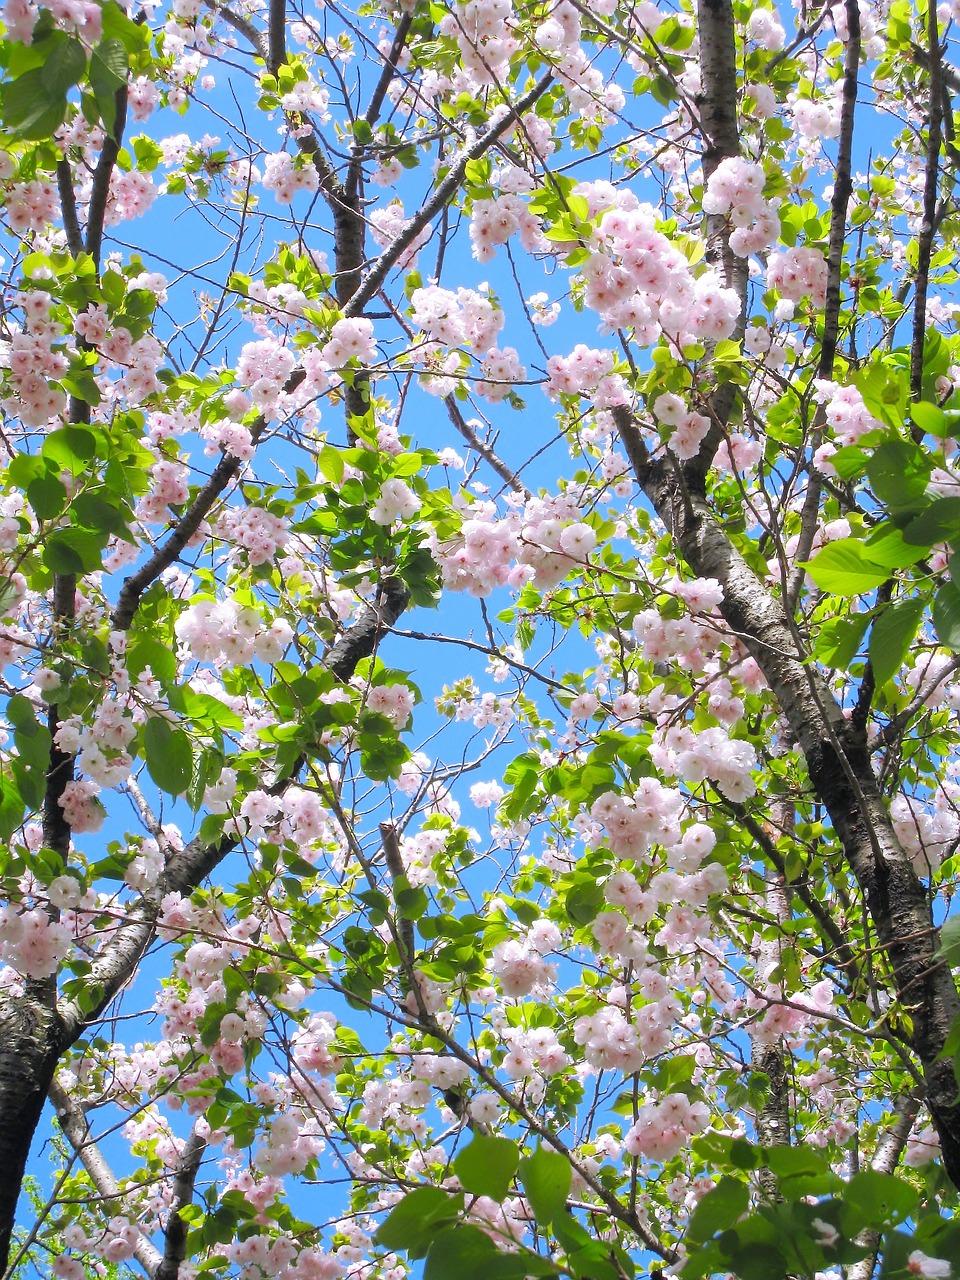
(68, 206)
(885, 1160)
(717, 102)
(190, 866)
(443, 193)
(225, 471)
(102, 175)
(493, 459)
(277, 35)
(175, 1233)
(76, 1129)
(840, 772)
(842, 190)
(931, 183)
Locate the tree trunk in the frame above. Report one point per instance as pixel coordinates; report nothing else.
(31, 1041)
(841, 775)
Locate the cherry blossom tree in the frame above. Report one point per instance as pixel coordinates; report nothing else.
(478, 794)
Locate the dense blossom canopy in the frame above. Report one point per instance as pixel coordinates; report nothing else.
(479, 505)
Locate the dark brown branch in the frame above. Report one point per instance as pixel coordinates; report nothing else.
(68, 206)
(56, 828)
(868, 683)
(443, 193)
(772, 1119)
(406, 943)
(842, 190)
(931, 183)
(372, 114)
(100, 191)
(277, 35)
(225, 471)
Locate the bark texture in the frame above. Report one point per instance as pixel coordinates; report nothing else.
(31, 1041)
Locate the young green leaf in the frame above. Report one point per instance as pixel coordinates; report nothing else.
(845, 569)
(892, 635)
(487, 1166)
(546, 1177)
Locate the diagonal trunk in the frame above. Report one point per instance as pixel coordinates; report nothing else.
(842, 778)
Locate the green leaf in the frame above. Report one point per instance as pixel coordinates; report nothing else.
(899, 473)
(29, 108)
(65, 64)
(330, 463)
(719, 1209)
(950, 941)
(108, 68)
(892, 635)
(940, 522)
(465, 1252)
(929, 417)
(117, 25)
(790, 1162)
(148, 651)
(73, 551)
(838, 640)
(879, 1199)
(946, 615)
(11, 807)
(411, 1222)
(844, 569)
(888, 547)
(460, 1253)
(169, 755)
(487, 1166)
(412, 901)
(47, 496)
(546, 1177)
(583, 901)
(70, 447)
(94, 511)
